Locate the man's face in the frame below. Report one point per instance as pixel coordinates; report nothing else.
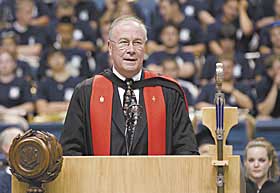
(7, 64)
(170, 37)
(228, 45)
(231, 10)
(65, 31)
(275, 37)
(277, 7)
(24, 13)
(126, 47)
(170, 68)
(9, 44)
(228, 69)
(257, 163)
(56, 61)
(165, 9)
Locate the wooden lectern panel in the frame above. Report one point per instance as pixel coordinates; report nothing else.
(140, 174)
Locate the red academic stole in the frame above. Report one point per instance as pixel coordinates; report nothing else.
(101, 115)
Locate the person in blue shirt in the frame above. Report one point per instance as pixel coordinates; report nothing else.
(268, 94)
(171, 68)
(83, 35)
(76, 58)
(198, 10)
(54, 92)
(31, 39)
(191, 35)
(170, 42)
(15, 96)
(40, 13)
(242, 70)
(8, 43)
(86, 11)
(234, 12)
(236, 93)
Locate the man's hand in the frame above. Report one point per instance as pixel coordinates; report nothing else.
(227, 87)
(243, 5)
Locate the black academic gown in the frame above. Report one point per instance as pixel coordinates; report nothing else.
(76, 135)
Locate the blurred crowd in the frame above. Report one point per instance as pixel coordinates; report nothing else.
(47, 47)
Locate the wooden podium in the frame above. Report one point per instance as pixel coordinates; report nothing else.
(147, 174)
(140, 174)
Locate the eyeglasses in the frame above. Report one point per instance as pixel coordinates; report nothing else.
(124, 44)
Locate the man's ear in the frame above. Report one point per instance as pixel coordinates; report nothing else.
(109, 44)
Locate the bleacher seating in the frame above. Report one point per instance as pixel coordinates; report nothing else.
(238, 138)
(270, 130)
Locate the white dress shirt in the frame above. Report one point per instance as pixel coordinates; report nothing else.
(137, 77)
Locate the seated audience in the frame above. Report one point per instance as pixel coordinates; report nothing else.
(268, 94)
(242, 70)
(191, 36)
(83, 35)
(76, 58)
(270, 39)
(171, 68)
(31, 38)
(54, 92)
(15, 96)
(9, 43)
(261, 164)
(171, 49)
(102, 58)
(235, 13)
(198, 10)
(87, 11)
(236, 94)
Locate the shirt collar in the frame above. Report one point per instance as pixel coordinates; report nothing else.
(137, 77)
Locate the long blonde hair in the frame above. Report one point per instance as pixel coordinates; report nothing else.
(273, 172)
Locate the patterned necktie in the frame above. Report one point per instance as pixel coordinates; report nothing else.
(129, 99)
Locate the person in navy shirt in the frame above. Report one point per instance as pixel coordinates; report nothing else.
(234, 12)
(83, 35)
(87, 11)
(197, 9)
(268, 94)
(15, 96)
(242, 70)
(76, 58)
(236, 93)
(191, 35)
(8, 43)
(171, 68)
(54, 92)
(31, 39)
(40, 12)
(170, 38)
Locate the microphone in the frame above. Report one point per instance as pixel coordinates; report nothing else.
(134, 113)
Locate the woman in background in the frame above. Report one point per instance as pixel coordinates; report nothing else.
(261, 164)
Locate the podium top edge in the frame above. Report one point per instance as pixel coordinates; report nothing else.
(143, 157)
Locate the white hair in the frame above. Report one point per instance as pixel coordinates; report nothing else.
(124, 19)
